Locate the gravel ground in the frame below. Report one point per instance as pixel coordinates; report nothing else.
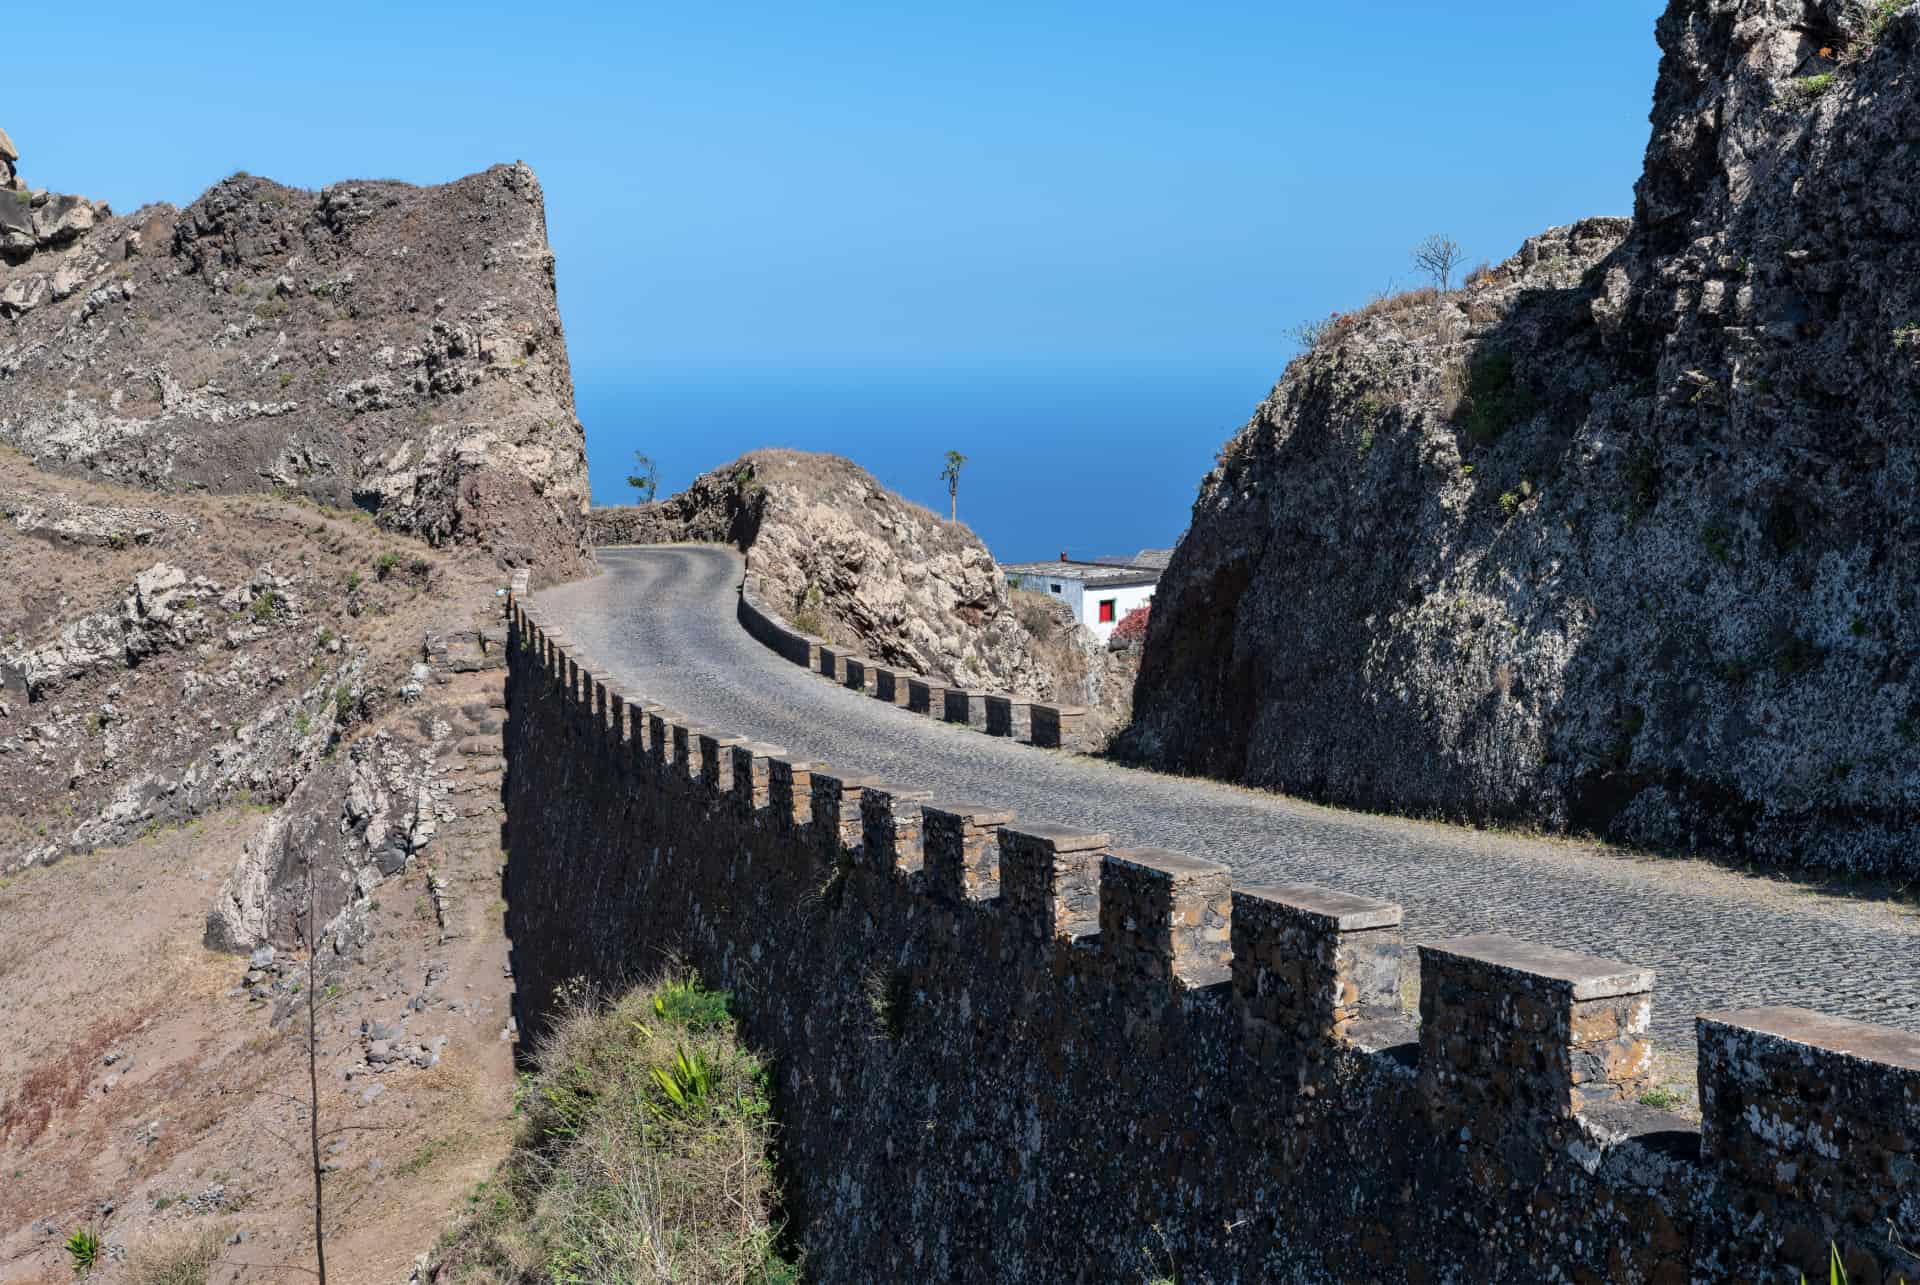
(660, 621)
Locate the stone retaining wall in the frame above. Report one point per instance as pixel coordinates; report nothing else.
(1003, 1050)
(1061, 727)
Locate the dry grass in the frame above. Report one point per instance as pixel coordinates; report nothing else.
(59, 1084)
(1387, 305)
(644, 1155)
(181, 1260)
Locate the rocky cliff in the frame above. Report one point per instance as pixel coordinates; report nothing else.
(845, 558)
(1621, 537)
(373, 344)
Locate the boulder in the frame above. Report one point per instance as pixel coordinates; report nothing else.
(16, 224)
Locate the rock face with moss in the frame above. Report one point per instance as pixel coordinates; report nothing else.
(1621, 537)
(375, 344)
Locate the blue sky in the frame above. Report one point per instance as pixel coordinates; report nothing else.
(1069, 239)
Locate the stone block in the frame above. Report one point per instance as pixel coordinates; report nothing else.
(749, 781)
(1050, 879)
(1059, 727)
(1309, 962)
(962, 849)
(927, 696)
(1513, 1033)
(890, 685)
(839, 826)
(891, 827)
(1165, 916)
(1817, 1110)
(1009, 716)
(716, 762)
(790, 792)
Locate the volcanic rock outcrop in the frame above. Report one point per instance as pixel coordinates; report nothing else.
(1621, 537)
(373, 344)
(845, 558)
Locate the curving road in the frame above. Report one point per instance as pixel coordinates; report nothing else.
(660, 621)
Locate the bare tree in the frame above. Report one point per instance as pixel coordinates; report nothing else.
(951, 476)
(313, 1084)
(1438, 256)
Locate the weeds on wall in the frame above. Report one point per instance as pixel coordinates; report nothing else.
(1836, 1273)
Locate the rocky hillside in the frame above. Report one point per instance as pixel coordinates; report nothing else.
(374, 345)
(845, 558)
(202, 700)
(264, 464)
(1621, 537)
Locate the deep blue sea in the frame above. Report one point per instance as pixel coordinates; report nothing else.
(1089, 461)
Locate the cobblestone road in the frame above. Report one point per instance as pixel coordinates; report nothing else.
(661, 622)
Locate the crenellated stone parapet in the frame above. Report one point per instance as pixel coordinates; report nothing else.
(1072, 1049)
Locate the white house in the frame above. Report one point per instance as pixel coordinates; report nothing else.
(1101, 591)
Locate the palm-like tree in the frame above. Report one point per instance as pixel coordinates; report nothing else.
(951, 476)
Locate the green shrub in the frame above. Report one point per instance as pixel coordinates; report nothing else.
(266, 605)
(1797, 655)
(644, 1153)
(688, 1004)
(1808, 89)
(384, 564)
(1509, 504)
(1880, 17)
(889, 996)
(1496, 398)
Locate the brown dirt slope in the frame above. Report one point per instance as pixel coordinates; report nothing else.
(204, 697)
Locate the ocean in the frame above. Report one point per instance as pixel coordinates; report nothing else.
(1086, 462)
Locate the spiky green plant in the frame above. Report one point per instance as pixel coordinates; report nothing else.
(686, 1082)
(83, 1252)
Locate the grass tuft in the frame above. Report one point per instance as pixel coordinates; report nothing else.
(644, 1155)
(187, 1260)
